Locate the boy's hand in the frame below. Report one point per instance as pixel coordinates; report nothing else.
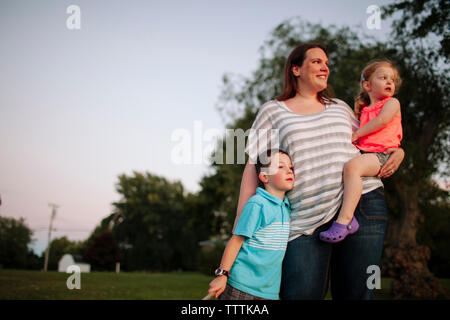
(218, 285)
(355, 136)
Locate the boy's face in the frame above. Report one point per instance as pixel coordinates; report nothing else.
(280, 174)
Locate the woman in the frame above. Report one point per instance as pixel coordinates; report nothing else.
(316, 132)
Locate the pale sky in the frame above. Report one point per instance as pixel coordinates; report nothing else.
(80, 107)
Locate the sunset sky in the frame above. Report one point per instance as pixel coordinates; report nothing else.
(80, 107)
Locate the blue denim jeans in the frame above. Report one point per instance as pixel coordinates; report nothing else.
(309, 263)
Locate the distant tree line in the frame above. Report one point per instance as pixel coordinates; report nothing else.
(15, 237)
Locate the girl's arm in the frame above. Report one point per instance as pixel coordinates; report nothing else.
(249, 183)
(229, 255)
(389, 110)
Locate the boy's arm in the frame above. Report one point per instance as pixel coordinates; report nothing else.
(229, 255)
(231, 251)
(389, 110)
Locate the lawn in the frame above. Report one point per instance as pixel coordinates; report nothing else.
(22, 284)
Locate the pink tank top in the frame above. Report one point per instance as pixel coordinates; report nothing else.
(387, 137)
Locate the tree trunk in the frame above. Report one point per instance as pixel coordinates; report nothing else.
(411, 220)
(404, 260)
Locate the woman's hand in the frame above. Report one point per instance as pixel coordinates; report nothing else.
(218, 285)
(392, 164)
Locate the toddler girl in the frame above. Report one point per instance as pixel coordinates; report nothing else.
(380, 129)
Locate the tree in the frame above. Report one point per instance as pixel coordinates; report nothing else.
(61, 246)
(34, 262)
(420, 19)
(58, 247)
(156, 225)
(426, 120)
(435, 205)
(102, 252)
(15, 236)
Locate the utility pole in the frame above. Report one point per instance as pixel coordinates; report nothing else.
(47, 251)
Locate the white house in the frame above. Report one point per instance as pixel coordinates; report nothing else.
(68, 260)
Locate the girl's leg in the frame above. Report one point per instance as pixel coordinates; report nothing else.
(365, 165)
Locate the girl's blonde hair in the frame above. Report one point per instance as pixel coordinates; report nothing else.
(363, 99)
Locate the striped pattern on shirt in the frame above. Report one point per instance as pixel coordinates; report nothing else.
(319, 145)
(271, 237)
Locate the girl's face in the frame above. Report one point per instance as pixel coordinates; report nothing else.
(381, 83)
(313, 74)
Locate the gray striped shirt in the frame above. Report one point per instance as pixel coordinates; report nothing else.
(319, 145)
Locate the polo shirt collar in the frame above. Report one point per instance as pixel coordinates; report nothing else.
(262, 192)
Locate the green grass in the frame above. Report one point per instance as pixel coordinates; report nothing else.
(21, 284)
(30, 285)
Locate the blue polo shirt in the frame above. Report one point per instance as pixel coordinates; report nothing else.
(264, 222)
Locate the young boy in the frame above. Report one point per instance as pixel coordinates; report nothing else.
(255, 251)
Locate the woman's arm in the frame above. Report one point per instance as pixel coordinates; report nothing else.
(389, 110)
(229, 255)
(249, 183)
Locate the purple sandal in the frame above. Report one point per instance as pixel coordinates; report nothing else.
(338, 232)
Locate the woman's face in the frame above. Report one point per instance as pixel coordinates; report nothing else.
(313, 74)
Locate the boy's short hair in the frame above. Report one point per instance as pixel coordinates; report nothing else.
(264, 164)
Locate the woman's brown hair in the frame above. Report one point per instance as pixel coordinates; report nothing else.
(362, 99)
(296, 58)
